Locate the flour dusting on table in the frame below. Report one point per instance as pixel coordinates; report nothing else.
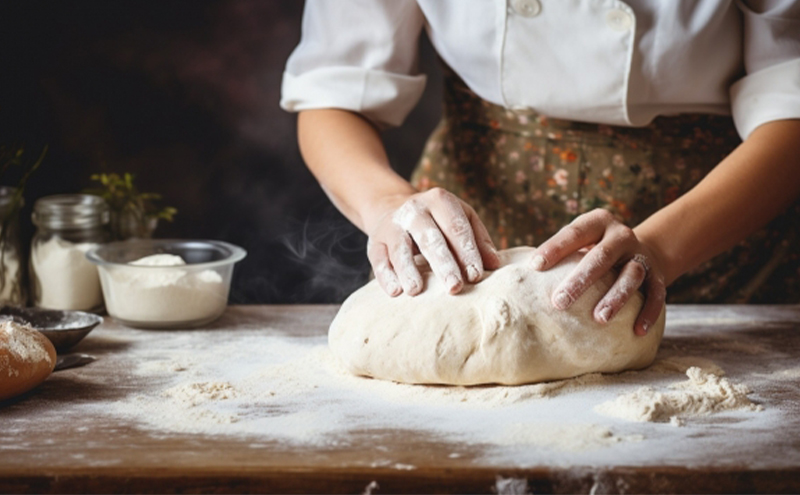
(265, 382)
(291, 389)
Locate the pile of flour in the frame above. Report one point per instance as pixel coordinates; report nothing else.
(162, 288)
(65, 279)
(704, 393)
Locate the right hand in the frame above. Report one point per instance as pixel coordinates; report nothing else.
(438, 225)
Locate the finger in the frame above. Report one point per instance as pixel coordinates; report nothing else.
(598, 261)
(401, 256)
(655, 297)
(433, 246)
(457, 230)
(415, 219)
(630, 279)
(586, 229)
(487, 249)
(378, 255)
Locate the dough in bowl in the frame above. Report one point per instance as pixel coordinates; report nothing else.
(503, 330)
(26, 359)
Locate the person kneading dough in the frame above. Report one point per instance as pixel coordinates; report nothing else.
(26, 359)
(502, 330)
(660, 138)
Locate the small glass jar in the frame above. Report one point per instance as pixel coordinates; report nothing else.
(68, 225)
(12, 290)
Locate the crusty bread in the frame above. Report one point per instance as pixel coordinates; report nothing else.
(26, 359)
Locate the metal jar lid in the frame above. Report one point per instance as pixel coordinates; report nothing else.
(70, 211)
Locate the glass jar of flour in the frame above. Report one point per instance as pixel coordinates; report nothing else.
(68, 225)
(11, 288)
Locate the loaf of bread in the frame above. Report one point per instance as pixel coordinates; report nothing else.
(26, 358)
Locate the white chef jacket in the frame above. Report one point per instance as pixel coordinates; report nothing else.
(603, 61)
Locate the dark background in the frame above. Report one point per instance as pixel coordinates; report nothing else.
(184, 94)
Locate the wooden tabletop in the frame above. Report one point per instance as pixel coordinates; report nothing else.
(81, 431)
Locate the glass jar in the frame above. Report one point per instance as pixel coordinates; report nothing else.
(68, 225)
(12, 290)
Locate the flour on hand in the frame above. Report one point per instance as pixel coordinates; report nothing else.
(502, 330)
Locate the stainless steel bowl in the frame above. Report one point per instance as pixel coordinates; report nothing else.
(63, 328)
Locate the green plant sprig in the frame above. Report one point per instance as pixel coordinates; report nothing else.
(121, 194)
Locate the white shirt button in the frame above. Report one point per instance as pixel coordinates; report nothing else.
(619, 20)
(526, 8)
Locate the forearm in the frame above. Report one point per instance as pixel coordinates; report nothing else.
(756, 182)
(346, 155)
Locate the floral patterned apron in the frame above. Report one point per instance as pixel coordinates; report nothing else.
(528, 175)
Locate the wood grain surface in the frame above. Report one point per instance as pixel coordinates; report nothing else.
(47, 447)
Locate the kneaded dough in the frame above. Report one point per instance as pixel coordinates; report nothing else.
(503, 330)
(26, 359)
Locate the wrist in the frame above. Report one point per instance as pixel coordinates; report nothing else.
(375, 211)
(665, 264)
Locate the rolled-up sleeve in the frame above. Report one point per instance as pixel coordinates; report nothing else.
(358, 55)
(770, 90)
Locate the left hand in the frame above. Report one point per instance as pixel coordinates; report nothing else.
(610, 244)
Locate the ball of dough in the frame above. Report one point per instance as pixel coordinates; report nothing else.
(26, 359)
(503, 330)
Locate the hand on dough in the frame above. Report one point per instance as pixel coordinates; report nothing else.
(441, 227)
(609, 244)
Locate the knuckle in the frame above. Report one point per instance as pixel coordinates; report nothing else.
(637, 271)
(437, 193)
(408, 213)
(413, 204)
(468, 210)
(601, 214)
(401, 250)
(602, 257)
(571, 234)
(460, 226)
(625, 234)
(616, 299)
(383, 271)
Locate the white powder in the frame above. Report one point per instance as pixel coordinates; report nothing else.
(298, 392)
(195, 393)
(268, 387)
(64, 277)
(568, 437)
(703, 394)
(162, 288)
(281, 390)
(19, 342)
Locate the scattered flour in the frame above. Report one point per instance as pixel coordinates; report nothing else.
(568, 437)
(703, 394)
(192, 394)
(788, 374)
(681, 364)
(296, 391)
(161, 288)
(64, 278)
(281, 389)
